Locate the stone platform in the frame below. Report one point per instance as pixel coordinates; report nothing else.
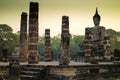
(54, 70)
(72, 63)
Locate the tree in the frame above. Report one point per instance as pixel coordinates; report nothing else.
(41, 45)
(8, 39)
(114, 39)
(55, 46)
(74, 43)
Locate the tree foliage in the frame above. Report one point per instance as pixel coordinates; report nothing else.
(8, 39)
(5, 28)
(41, 45)
(55, 46)
(74, 43)
(114, 39)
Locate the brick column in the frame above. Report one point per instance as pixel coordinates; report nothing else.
(48, 54)
(65, 42)
(33, 33)
(23, 37)
(87, 44)
(94, 74)
(14, 71)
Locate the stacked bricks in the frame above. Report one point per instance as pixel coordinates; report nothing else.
(65, 42)
(23, 37)
(33, 33)
(88, 44)
(48, 53)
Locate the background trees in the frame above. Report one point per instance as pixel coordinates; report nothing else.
(74, 43)
(8, 39)
(114, 39)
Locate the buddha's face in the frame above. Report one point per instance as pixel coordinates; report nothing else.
(96, 21)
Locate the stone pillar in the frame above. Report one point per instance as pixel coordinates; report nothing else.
(107, 55)
(33, 33)
(65, 42)
(48, 55)
(94, 74)
(14, 71)
(23, 37)
(87, 44)
(4, 55)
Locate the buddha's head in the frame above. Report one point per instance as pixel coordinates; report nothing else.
(96, 18)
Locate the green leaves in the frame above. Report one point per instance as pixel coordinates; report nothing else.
(5, 28)
(8, 39)
(114, 39)
(74, 43)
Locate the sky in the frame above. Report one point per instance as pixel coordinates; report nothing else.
(80, 14)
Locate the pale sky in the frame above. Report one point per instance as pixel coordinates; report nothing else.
(80, 14)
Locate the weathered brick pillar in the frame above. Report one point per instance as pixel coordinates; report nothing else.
(14, 71)
(48, 55)
(94, 74)
(87, 44)
(65, 42)
(23, 37)
(107, 54)
(4, 55)
(33, 33)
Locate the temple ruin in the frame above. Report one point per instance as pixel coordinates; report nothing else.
(94, 48)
